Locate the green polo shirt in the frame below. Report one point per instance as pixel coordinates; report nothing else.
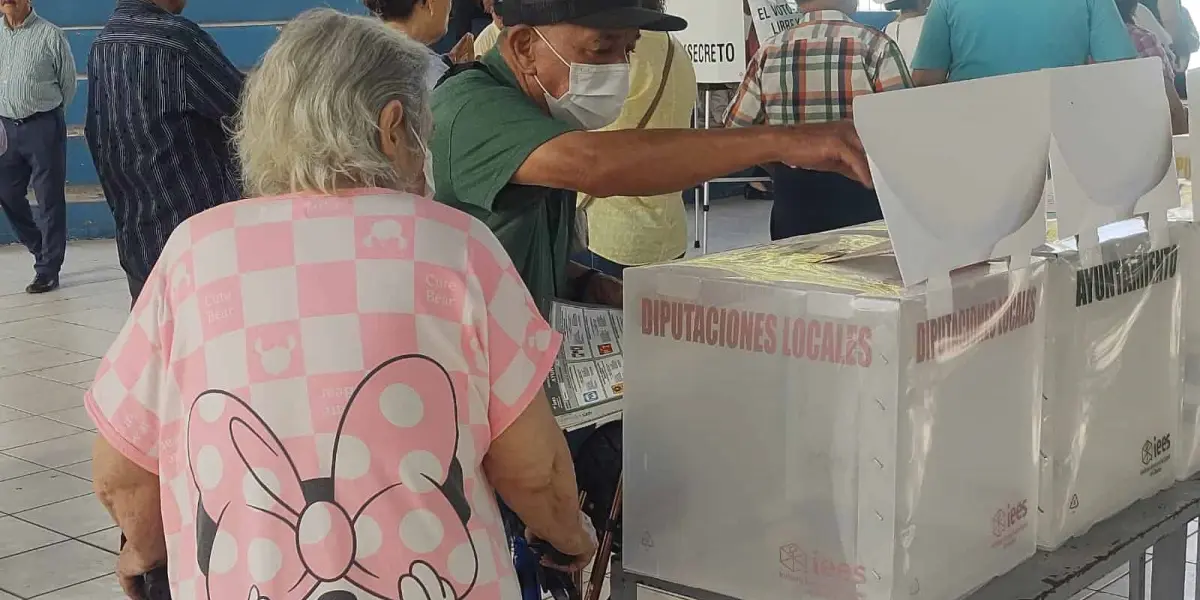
(484, 129)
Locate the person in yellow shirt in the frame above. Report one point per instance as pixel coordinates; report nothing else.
(486, 40)
(629, 231)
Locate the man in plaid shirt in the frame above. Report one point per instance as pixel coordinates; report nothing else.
(811, 74)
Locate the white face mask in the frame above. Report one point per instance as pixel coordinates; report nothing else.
(595, 94)
(428, 169)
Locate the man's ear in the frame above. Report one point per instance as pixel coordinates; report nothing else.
(521, 40)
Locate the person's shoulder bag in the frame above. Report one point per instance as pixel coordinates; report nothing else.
(581, 224)
(460, 68)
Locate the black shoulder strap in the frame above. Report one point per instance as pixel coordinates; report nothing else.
(461, 68)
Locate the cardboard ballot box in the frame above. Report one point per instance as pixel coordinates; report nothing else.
(1112, 389)
(806, 427)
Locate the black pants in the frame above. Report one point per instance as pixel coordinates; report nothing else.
(814, 201)
(37, 154)
(136, 283)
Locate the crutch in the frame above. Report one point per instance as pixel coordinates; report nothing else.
(604, 552)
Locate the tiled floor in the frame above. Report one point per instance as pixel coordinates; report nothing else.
(56, 541)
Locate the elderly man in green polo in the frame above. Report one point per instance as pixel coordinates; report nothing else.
(512, 142)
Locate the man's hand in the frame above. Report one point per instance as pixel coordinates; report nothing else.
(464, 50)
(832, 147)
(604, 290)
(132, 564)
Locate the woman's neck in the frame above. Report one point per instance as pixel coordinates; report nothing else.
(412, 29)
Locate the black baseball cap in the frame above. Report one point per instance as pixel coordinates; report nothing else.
(593, 14)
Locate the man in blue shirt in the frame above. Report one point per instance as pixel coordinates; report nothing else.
(969, 39)
(161, 98)
(37, 82)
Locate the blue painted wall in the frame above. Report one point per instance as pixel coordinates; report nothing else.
(244, 29)
(90, 13)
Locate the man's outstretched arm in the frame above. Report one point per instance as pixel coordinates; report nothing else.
(652, 162)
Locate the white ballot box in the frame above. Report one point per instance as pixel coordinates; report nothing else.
(1112, 388)
(1185, 233)
(808, 428)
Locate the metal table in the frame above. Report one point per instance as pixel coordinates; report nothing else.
(1160, 522)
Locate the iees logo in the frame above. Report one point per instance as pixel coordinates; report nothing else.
(1155, 447)
(1009, 517)
(810, 566)
(789, 557)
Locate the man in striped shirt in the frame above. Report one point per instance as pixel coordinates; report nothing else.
(811, 74)
(37, 81)
(161, 94)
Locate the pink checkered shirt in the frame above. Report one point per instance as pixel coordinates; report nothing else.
(315, 380)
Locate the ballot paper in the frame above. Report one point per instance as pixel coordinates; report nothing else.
(587, 384)
(974, 189)
(1107, 174)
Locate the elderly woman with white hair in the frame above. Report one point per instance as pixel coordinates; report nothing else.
(321, 388)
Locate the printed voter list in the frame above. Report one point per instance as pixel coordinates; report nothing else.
(587, 383)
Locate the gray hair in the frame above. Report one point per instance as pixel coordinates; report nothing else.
(309, 119)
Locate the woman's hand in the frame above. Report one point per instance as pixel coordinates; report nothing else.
(464, 50)
(581, 550)
(131, 495)
(133, 563)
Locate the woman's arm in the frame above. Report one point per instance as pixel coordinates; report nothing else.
(131, 495)
(530, 466)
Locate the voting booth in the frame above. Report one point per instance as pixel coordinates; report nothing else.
(909, 411)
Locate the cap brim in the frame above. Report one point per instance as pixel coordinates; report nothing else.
(631, 17)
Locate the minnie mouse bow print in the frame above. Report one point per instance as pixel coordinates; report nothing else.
(390, 518)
